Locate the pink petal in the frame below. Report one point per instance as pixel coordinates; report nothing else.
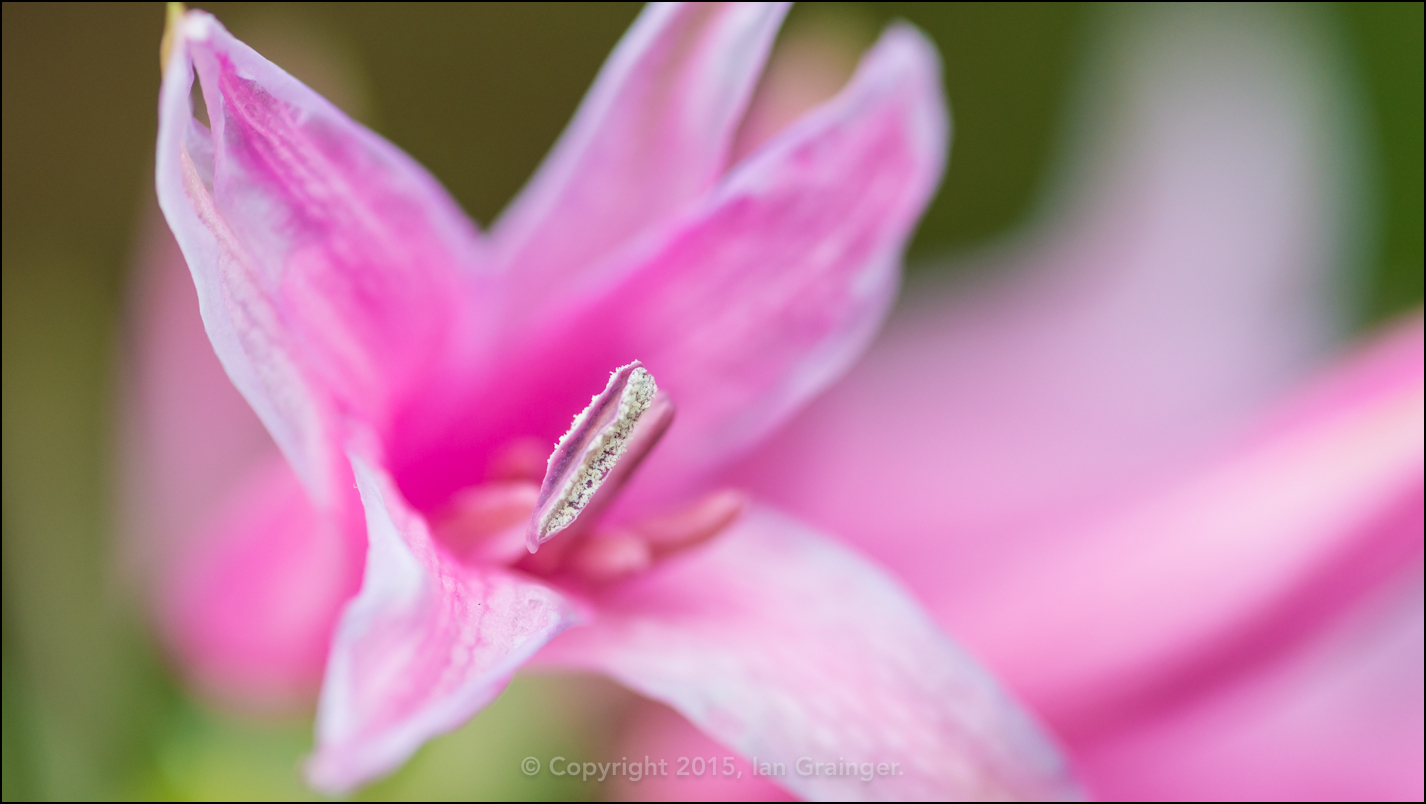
(781, 645)
(771, 291)
(426, 643)
(329, 266)
(188, 435)
(752, 302)
(1340, 718)
(652, 135)
(1182, 284)
(249, 603)
(1134, 611)
(656, 733)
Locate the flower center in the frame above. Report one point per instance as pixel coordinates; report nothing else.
(510, 518)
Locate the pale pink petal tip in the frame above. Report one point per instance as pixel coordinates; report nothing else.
(330, 267)
(654, 131)
(781, 645)
(426, 644)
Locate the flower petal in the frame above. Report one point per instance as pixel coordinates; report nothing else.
(771, 291)
(426, 643)
(652, 135)
(746, 307)
(657, 732)
(781, 645)
(1182, 285)
(330, 267)
(1340, 718)
(188, 435)
(249, 604)
(1225, 569)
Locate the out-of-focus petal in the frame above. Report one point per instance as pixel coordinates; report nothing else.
(329, 266)
(657, 732)
(1202, 581)
(1182, 285)
(1341, 719)
(751, 303)
(652, 135)
(249, 603)
(424, 645)
(781, 645)
(188, 435)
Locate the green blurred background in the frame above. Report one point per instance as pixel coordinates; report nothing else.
(477, 93)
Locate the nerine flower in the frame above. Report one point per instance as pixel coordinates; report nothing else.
(419, 541)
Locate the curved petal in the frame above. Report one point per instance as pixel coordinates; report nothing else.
(330, 267)
(250, 604)
(1182, 285)
(1340, 718)
(752, 302)
(426, 644)
(781, 646)
(651, 136)
(1209, 578)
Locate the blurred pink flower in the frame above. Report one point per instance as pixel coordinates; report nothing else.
(1111, 463)
(388, 347)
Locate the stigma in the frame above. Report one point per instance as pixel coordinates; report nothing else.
(505, 520)
(604, 445)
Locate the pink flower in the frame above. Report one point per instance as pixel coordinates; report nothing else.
(414, 372)
(1116, 469)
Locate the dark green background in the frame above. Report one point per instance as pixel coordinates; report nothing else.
(477, 93)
